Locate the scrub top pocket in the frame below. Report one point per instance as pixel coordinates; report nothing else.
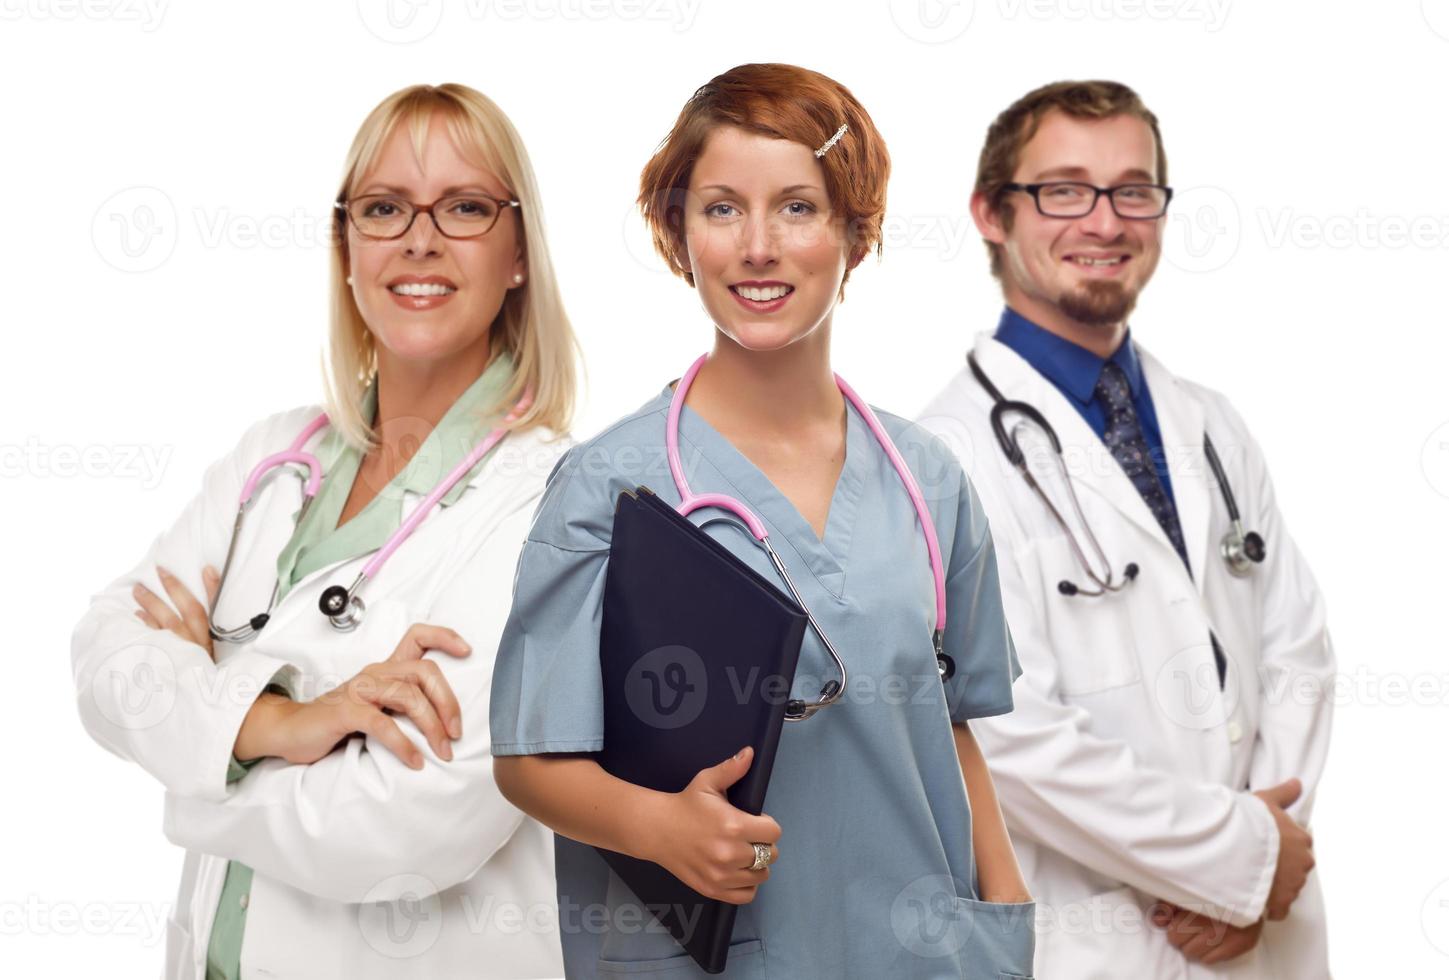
(1001, 939)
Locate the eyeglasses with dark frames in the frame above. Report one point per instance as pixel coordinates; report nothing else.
(1075, 199)
(387, 216)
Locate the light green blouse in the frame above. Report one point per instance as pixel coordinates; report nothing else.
(318, 542)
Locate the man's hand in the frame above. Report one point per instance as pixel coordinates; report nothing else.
(1295, 851)
(1204, 939)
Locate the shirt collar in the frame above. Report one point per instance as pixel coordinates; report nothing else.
(1068, 366)
(460, 429)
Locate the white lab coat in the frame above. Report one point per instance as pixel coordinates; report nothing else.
(1123, 770)
(363, 867)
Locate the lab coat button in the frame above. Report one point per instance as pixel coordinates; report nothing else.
(1235, 731)
(244, 900)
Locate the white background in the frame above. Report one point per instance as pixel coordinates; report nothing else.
(1304, 276)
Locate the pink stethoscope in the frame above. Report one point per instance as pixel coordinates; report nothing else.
(798, 710)
(343, 607)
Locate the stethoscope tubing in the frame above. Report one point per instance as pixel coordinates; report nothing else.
(344, 607)
(1239, 550)
(690, 501)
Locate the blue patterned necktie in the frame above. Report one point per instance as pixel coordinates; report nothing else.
(1129, 447)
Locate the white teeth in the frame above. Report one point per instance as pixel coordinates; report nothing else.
(1083, 260)
(422, 289)
(763, 295)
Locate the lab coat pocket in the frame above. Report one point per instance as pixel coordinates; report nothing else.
(180, 952)
(745, 961)
(1000, 939)
(1095, 644)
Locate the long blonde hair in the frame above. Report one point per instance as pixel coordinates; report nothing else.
(532, 325)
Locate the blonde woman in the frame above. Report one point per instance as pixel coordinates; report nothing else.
(314, 702)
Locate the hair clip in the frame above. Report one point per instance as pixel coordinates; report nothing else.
(833, 140)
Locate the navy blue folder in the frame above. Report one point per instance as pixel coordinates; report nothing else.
(697, 653)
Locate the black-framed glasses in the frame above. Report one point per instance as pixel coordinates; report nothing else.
(385, 216)
(1074, 199)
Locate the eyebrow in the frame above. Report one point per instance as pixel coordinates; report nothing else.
(373, 188)
(1078, 172)
(786, 190)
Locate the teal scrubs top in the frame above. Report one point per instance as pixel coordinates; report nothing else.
(318, 541)
(876, 875)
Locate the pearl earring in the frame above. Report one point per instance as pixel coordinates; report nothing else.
(349, 280)
(517, 278)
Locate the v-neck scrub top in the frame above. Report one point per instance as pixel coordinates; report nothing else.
(876, 876)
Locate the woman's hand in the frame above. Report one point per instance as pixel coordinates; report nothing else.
(303, 732)
(192, 622)
(705, 841)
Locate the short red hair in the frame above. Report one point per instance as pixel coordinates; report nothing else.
(782, 102)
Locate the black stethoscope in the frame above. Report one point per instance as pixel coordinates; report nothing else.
(1240, 550)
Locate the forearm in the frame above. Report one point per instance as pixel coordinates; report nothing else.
(257, 737)
(1000, 876)
(573, 796)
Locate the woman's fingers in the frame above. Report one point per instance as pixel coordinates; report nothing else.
(211, 578)
(762, 828)
(428, 676)
(193, 613)
(401, 694)
(422, 637)
(737, 896)
(372, 722)
(159, 612)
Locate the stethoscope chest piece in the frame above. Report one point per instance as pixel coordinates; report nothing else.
(1243, 551)
(343, 609)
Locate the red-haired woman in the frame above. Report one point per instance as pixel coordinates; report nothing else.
(768, 192)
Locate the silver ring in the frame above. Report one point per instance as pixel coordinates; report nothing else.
(762, 857)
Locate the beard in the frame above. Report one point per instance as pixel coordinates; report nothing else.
(1098, 304)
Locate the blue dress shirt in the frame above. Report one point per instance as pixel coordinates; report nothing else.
(1074, 370)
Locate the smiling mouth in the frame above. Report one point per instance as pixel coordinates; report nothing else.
(1098, 262)
(421, 289)
(762, 294)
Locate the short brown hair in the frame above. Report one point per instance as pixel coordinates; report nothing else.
(782, 102)
(1018, 123)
